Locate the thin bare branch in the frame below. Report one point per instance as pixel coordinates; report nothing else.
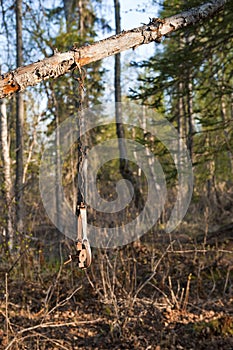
(51, 325)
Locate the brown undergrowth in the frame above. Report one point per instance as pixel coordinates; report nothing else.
(158, 293)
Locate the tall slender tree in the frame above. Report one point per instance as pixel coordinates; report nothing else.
(8, 186)
(125, 169)
(117, 84)
(19, 124)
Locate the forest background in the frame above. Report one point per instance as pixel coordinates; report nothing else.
(163, 291)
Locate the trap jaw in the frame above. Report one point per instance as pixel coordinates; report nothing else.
(83, 256)
(83, 246)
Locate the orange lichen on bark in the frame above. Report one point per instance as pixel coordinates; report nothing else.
(9, 86)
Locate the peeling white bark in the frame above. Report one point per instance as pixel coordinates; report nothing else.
(8, 188)
(61, 63)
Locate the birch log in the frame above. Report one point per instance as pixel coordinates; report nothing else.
(61, 63)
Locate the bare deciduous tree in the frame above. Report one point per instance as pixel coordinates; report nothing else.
(19, 124)
(8, 187)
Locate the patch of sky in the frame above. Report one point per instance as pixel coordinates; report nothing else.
(134, 13)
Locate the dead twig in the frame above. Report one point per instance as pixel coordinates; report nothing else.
(63, 302)
(153, 273)
(50, 325)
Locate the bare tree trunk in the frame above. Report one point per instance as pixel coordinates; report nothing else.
(181, 127)
(61, 63)
(125, 170)
(31, 146)
(68, 4)
(226, 133)
(81, 17)
(190, 115)
(117, 83)
(58, 196)
(224, 116)
(189, 93)
(19, 125)
(58, 163)
(8, 188)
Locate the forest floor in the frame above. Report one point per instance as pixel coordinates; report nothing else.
(165, 295)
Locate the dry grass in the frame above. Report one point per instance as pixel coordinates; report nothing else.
(152, 294)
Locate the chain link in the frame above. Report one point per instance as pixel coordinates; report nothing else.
(83, 247)
(81, 143)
